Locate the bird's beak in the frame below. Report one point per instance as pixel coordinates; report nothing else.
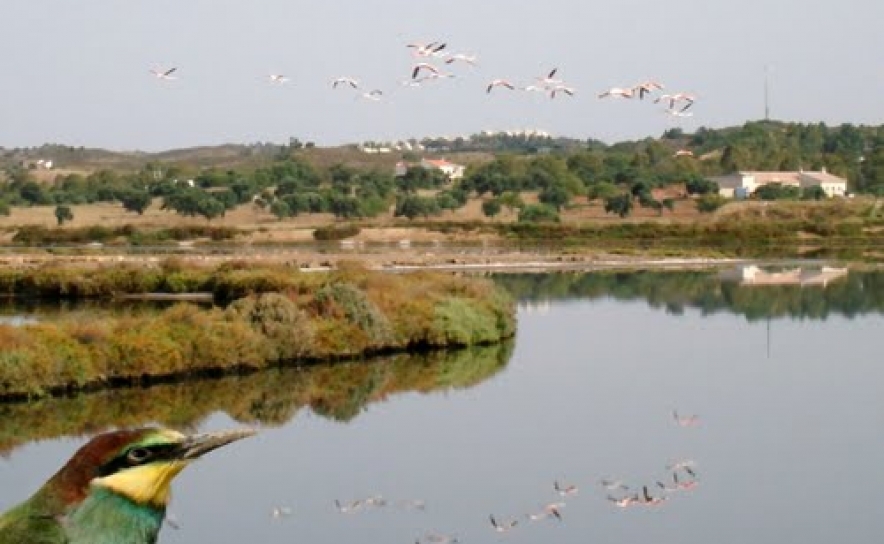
(200, 444)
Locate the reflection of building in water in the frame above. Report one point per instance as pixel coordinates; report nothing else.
(755, 275)
(539, 307)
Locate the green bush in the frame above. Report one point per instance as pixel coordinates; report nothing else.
(335, 232)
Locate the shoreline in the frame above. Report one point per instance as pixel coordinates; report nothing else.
(311, 260)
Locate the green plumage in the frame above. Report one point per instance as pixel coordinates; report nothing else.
(102, 518)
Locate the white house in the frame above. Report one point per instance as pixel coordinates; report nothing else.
(451, 170)
(743, 184)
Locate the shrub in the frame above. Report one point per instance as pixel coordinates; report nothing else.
(336, 232)
(710, 202)
(278, 319)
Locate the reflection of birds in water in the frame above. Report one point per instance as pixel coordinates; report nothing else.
(650, 500)
(548, 511)
(172, 521)
(437, 538)
(412, 504)
(280, 512)
(346, 508)
(681, 464)
(666, 487)
(612, 485)
(503, 526)
(375, 501)
(565, 490)
(685, 421)
(114, 489)
(685, 485)
(623, 502)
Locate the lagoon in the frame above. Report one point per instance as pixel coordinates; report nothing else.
(785, 380)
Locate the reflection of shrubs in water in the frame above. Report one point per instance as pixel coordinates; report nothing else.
(271, 397)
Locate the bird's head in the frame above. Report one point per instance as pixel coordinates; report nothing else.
(137, 464)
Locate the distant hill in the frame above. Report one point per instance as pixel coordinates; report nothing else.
(850, 151)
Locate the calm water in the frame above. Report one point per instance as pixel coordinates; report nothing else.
(786, 382)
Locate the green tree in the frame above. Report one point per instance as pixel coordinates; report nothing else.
(34, 194)
(701, 186)
(135, 201)
(280, 209)
(412, 206)
(621, 204)
(491, 207)
(62, 214)
(538, 213)
(601, 190)
(511, 201)
(210, 208)
(554, 195)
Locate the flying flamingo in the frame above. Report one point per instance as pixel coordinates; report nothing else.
(163, 74)
(674, 99)
(549, 79)
(503, 526)
(432, 49)
(374, 95)
(345, 81)
(499, 83)
(469, 59)
(561, 89)
(647, 87)
(619, 92)
(416, 70)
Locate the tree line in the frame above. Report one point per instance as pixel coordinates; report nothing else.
(622, 176)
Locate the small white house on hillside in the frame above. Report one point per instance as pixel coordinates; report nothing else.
(451, 170)
(743, 184)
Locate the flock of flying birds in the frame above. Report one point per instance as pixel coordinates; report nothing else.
(433, 61)
(681, 478)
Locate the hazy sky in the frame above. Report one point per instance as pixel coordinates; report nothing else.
(77, 72)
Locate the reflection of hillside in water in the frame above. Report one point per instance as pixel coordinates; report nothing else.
(273, 397)
(753, 292)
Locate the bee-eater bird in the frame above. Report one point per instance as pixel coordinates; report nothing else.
(114, 490)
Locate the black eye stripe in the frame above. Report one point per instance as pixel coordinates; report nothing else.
(143, 455)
